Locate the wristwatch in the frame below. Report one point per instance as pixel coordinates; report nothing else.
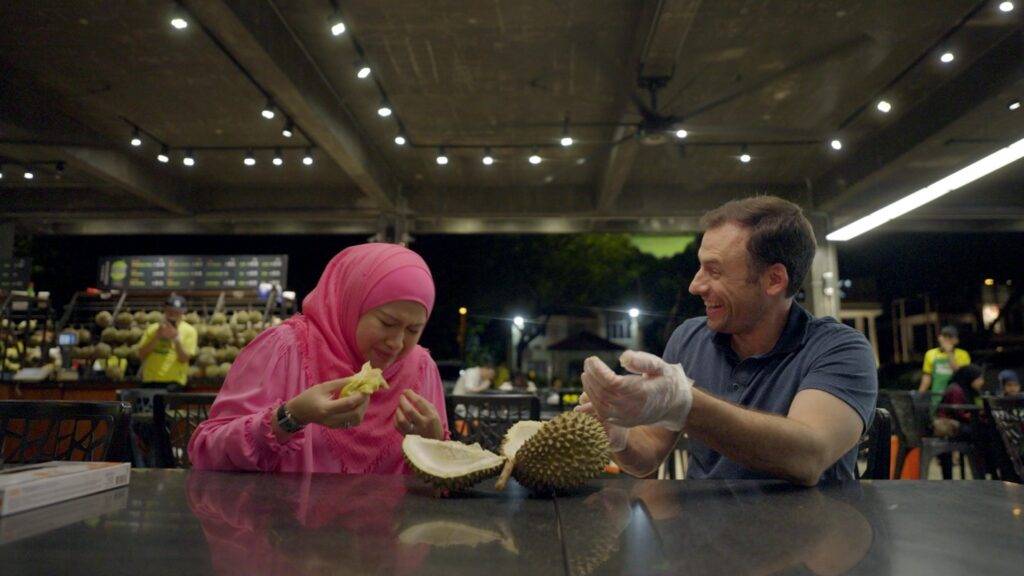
(285, 421)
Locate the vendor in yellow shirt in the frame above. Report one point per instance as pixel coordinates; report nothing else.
(940, 364)
(166, 348)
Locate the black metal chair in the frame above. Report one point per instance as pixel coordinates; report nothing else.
(44, 430)
(875, 447)
(1007, 414)
(142, 436)
(485, 418)
(175, 418)
(912, 414)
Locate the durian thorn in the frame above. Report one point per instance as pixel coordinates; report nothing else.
(506, 473)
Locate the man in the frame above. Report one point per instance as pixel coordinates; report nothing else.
(762, 388)
(1009, 382)
(167, 347)
(474, 380)
(940, 364)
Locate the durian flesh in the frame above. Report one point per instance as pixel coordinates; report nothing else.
(367, 381)
(557, 455)
(448, 464)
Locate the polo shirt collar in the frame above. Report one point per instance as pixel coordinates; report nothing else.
(792, 338)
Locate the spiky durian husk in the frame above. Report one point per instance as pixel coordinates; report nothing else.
(456, 482)
(563, 454)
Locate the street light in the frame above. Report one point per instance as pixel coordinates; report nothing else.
(634, 313)
(463, 311)
(519, 322)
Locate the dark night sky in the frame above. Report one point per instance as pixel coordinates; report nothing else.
(885, 265)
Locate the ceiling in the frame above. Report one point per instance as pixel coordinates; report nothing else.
(776, 80)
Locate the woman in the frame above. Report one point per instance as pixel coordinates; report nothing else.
(964, 425)
(278, 410)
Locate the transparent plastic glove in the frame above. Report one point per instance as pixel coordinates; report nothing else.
(618, 436)
(659, 393)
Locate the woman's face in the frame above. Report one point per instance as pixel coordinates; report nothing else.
(389, 331)
(978, 383)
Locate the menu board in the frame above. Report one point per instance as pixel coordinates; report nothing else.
(15, 273)
(192, 272)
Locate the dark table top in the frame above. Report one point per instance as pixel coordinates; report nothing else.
(178, 522)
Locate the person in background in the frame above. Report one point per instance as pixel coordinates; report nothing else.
(167, 347)
(519, 384)
(940, 364)
(474, 380)
(279, 409)
(1009, 382)
(555, 391)
(966, 425)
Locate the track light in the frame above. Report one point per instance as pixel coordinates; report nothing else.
(836, 144)
(189, 159)
(362, 70)
(178, 20)
(163, 156)
(268, 110)
(535, 158)
(289, 129)
(136, 138)
(442, 157)
(1013, 105)
(1, 172)
(947, 57)
(249, 159)
(681, 133)
(278, 160)
(308, 158)
(884, 106)
(744, 155)
(385, 109)
(400, 139)
(29, 174)
(1006, 6)
(567, 141)
(337, 24)
(487, 159)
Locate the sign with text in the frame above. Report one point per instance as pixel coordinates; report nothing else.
(15, 273)
(192, 272)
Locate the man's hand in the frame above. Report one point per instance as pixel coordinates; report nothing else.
(659, 394)
(167, 331)
(618, 437)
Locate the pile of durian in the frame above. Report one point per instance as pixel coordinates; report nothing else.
(221, 337)
(555, 456)
(23, 343)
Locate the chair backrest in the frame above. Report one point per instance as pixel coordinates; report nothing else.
(875, 446)
(141, 399)
(910, 413)
(485, 418)
(1008, 416)
(42, 430)
(176, 417)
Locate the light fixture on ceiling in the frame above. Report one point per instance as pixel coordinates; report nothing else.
(178, 20)
(278, 160)
(385, 109)
(947, 57)
(535, 158)
(939, 188)
(1014, 104)
(442, 157)
(362, 70)
(136, 137)
(164, 156)
(400, 139)
(337, 25)
(681, 133)
(836, 144)
(249, 159)
(1, 172)
(519, 322)
(307, 159)
(29, 174)
(884, 106)
(566, 141)
(634, 312)
(744, 155)
(189, 159)
(268, 110)
(487, 159)
(289, 129)
(1006, 6)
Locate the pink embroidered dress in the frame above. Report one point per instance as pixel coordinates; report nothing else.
(313, 347)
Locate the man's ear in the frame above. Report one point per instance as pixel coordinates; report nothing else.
(776, 279)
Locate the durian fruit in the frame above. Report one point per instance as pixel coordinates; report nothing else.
(450, 465)
(87, 352)
(194, 371)
(123, 320)
(124, 336)
(122, 351)
(154, 317)
(135, 334)
(104, 319)
(205, 359)
(103, 350)
(555, 456)
(225, 367)
(230, 353)
(133, 354)
(367, 381)
(218, 318)
(114, 371)
(192, 318)
(35, 339)
(213, 371)
(109, 335)
(84, 336)
(139, 317)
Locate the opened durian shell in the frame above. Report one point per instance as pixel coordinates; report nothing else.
(450, 465)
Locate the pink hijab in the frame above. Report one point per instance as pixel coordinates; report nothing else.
(359, 279)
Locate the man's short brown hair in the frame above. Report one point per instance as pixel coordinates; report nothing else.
(779, 233)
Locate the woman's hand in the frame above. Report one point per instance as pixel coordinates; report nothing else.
(415, 415)
(320, 405)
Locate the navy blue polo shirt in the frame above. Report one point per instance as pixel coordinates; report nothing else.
(811, 353)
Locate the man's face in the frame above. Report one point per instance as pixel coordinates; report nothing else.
(1011, 387)
(173, 315)
(948, 342)
(734, 298)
